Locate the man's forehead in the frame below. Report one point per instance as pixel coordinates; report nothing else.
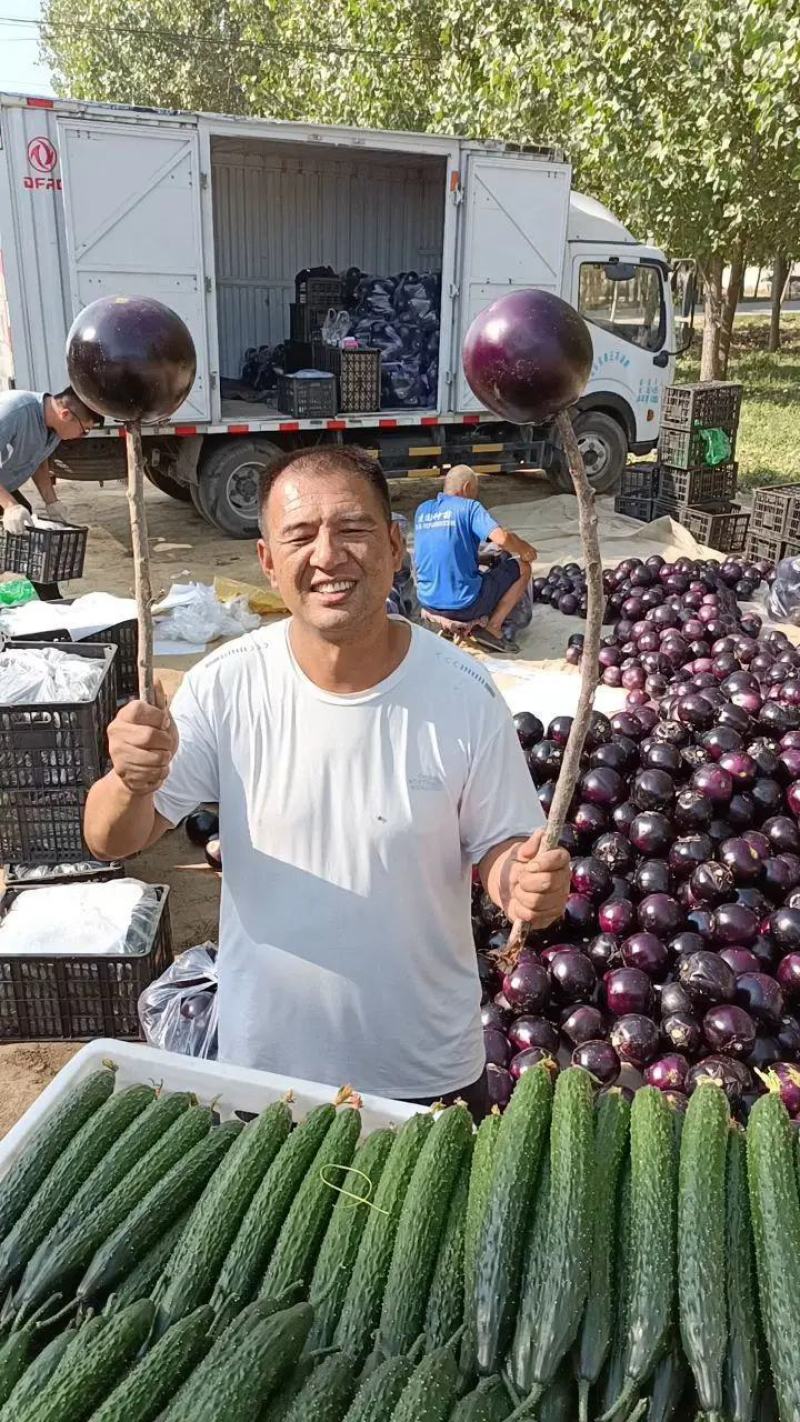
(321, 495)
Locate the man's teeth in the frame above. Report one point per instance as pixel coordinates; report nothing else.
(342, 586)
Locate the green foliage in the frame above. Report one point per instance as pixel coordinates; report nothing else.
(684, 117)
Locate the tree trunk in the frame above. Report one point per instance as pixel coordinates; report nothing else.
(732, 298)
(712, 318)
(779, 271)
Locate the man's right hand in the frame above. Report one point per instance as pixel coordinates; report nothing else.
(16, 520)
(142, 741)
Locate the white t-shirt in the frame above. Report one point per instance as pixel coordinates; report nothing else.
(349, 826)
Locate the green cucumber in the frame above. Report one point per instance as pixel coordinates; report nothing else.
(489, 1402)
(88, 1146)
(480, 1178)
(550, 1311)
(419, 1232)
(73, 1392)
(651, 1291)
(248, 1256)
(305, 1224)
(380, 1393)
(235, 1383)
(281, 1401)
(123, 1157)
(560, 1399)
(612, 1121)
(29, 1170)
(37, 1375)
(153, 1215)
(499, 1253)
(145, 1276)
(154, 1380)
(668, 1385)
(775, 1208)
(196, 1263)
(340, 1246)
(445, 1310)
(432, 1390)
(741, 1376)
(361, 1310)
(327, 1394)
(15, 1355)
(701, 1241)
(48, 1274)
(613, 1379)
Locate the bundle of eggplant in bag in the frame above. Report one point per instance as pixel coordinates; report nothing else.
(400, 316)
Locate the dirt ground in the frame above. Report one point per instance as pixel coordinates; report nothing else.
(183, 547)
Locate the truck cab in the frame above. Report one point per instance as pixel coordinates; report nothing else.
(621, 287)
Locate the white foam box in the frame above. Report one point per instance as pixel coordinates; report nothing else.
(229, 1089)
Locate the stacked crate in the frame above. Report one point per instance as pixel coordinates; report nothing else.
(775, 523)
(637, 491)
(698, 495)
(314, 298)
(51, 753)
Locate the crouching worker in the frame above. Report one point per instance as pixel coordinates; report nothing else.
(451, 585)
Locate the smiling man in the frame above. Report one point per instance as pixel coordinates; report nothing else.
(362, 766)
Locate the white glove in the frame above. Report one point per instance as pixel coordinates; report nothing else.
(16, 520)
(56, 512)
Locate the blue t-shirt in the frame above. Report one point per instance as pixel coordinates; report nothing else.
(448, 532)
(25, 440)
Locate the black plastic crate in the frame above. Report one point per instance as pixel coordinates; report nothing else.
(639, 481)
(124, 636)
(307, 397)
(357, 374)
(761, 545)
(727, 532)
(683, 449)
(713, 404)
(635, 508)
(318, 291)
(296, 356)
(93, 871)
(58, 744)
(710, 486)
(76, 998)
(774, 508)
(42, 826)
(45, 555)
(306, 322)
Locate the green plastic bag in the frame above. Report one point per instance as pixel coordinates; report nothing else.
(15, 591)
(717, 446)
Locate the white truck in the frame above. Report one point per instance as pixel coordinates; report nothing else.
(216, 215)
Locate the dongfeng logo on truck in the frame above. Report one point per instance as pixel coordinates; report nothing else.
(43, 158)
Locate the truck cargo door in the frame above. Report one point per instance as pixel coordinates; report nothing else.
(132, 211)
(514, 230)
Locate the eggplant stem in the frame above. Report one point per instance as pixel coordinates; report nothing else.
(624, 1400)
(527, 1408)
(583, 1399)
(639, 1410)
(571, 764)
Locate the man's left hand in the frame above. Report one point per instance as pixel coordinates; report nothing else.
(537, 885)
(56, 512)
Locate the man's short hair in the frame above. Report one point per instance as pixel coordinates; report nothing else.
(322, 459)
(78, 407)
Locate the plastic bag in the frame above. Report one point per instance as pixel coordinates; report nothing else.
(784, 595)
(716, 445)
(179, 1012)
(45, 675)
(192, 612)
(30, 873)
(112, 918)
(14, 591)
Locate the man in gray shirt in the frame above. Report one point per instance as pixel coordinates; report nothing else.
(31, 428)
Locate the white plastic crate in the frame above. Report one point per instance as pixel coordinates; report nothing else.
(229, 1088)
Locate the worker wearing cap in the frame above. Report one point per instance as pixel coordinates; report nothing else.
(448, 533)
(32, 425)
(362, 766)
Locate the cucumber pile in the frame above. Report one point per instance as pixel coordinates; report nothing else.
(582, 1256)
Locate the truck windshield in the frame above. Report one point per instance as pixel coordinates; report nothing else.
(626, 300)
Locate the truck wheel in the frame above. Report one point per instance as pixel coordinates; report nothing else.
(228, 477)
(604, 446)
(168, 485)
